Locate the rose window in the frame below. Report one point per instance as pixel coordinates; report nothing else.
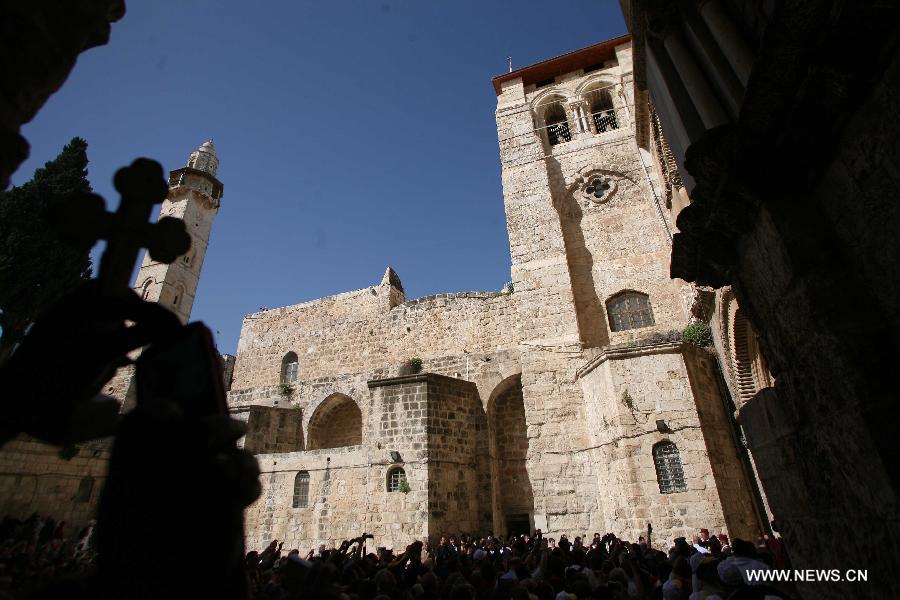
(598, 187)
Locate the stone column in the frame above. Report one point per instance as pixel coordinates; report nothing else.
(577, 108)
(678, 116)
(733, 46)
(713, 62)
(698, 89)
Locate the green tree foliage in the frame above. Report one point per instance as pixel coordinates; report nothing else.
(36, 267)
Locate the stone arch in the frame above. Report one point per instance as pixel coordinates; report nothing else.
(553, 118)
(602, 81)
(598, 97)
(548, 96)
(512, 493)
(336, 423)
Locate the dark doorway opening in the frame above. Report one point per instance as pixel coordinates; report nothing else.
(518, 524)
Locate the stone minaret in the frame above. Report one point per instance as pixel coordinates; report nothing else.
(194, 195)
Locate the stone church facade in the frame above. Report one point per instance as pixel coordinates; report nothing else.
(565, 402)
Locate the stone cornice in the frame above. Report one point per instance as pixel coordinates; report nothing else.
(416, 378)
(620, 352)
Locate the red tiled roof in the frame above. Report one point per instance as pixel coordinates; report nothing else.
(566, 63)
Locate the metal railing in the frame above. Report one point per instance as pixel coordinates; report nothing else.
(558, 133)
(605, 120)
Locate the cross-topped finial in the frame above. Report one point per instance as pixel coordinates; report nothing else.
(85, 221)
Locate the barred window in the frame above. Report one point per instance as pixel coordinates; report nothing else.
(301, 490)
(557, 125)
(289, 368)
(396, 480)
(629, 310)
(669, 472)
(603, 113)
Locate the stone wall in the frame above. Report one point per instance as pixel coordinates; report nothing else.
(323, 332)
(458, 461)
(272, 430)
(641, 395)
(34, 478)
(432, 423)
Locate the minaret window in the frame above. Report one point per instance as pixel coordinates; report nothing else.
(557, 125)
(289, 368)
(629, 310)
(179, 295)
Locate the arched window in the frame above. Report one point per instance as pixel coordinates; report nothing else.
(629, 310)
(396, 480)
(603, 114)
(301, 490)
(557, 125)
(289, 368)
(669, 472)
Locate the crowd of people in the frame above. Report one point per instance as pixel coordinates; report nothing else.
(38, 550)
(521, 568)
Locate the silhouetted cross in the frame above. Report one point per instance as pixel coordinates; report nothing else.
(85, 220)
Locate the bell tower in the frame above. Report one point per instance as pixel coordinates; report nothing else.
(194, 196)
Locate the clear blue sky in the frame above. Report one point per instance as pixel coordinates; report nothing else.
(352, 135)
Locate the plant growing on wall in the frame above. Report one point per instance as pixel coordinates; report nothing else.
(698, 334)
(285, 389)
(403, 486)
(416, 364)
